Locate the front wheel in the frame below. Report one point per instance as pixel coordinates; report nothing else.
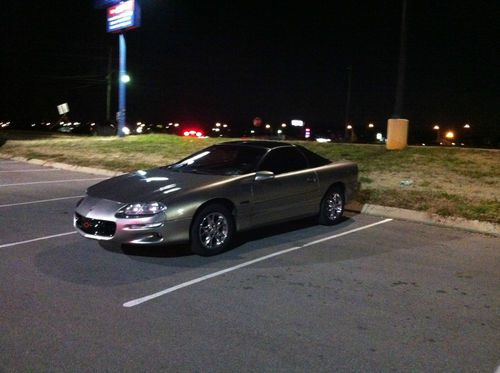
(332, 206)
(212, 230)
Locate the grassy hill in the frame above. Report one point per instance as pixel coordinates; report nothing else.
(447, 181)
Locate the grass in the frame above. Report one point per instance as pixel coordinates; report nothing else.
(446, 181)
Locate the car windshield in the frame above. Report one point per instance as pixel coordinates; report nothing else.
(221, 160)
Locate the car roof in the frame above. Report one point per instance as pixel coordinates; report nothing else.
(258, 143)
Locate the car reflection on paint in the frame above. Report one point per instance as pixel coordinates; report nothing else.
(206, 198)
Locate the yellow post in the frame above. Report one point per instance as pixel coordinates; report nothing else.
(397, 134)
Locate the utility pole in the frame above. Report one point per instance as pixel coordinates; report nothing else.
(398, 104)
(348, 100)
(397, 127)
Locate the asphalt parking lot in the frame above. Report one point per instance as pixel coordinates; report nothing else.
(369, 294)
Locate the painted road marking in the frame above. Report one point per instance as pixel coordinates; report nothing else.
(147, 298)
(35, 170)
(36, 239)
(40, 201)
(51, 182)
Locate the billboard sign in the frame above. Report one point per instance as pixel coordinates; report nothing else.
(123, 16)
(63, 108)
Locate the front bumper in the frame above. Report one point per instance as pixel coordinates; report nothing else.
(95, 218)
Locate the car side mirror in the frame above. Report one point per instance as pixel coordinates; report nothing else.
(264, 175)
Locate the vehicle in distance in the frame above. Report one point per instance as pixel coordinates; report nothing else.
(207, 197)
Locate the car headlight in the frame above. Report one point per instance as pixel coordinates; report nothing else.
(141, 209)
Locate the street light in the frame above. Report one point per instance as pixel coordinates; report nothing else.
(349, 127)
(449, 135)
(466, 125)
(436, 128)
(125, 78)
(370, 125)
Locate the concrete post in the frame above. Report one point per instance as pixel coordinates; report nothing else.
(397, 133)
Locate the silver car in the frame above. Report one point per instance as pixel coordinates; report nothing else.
(207, 197)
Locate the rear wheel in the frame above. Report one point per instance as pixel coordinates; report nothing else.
(332, 206)
(212, 230)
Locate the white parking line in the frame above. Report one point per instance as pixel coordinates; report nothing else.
(35, 239)
(51, 182)
(40, 201)
(147, 298)
(35, 170)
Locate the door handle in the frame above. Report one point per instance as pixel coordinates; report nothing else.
(311, 179)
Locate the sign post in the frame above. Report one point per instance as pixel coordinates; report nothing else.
(122, 85)
(122, 16)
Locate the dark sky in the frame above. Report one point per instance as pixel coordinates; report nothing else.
(202, 61)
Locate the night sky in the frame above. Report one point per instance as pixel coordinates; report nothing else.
(206, 61)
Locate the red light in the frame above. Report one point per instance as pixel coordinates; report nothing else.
(186, 133)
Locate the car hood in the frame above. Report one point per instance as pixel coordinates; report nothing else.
(158, 184)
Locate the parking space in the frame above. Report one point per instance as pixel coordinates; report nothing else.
(367, 294)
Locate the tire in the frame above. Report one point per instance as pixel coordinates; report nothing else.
(332, 206)
(212, 230)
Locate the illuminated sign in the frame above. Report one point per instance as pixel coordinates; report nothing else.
(123, 16)
(63, 108)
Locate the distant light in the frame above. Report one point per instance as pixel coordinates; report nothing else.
(176, 125)
(323, 140)
(370, 125)
(462, 144)
(186, 133)
(224, 125)
(423, 144)
(125, 78)
(378, 136)
(139, 129)
(92, 124)
(279, 132)
(252, 131)
(307, 133)
(297, 123)
(217, 124)
(436, 127)
(453, 144)
(199, 134)
(349, 127)
(33, 125)
(192, 132)
(216, 129)
(466, 125)
(283, 125)
(170, 124)
(126, 131)
(449, 135)
(268, 126)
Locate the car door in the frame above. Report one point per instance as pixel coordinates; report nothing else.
(292, 192)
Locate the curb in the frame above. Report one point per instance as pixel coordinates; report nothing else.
(432, 219)
(64, 166)
(368, 209)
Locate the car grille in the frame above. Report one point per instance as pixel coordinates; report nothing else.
(95, 227)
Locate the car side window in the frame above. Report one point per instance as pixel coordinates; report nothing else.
(281, 160)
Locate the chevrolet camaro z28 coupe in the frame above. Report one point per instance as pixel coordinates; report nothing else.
(207, 197)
